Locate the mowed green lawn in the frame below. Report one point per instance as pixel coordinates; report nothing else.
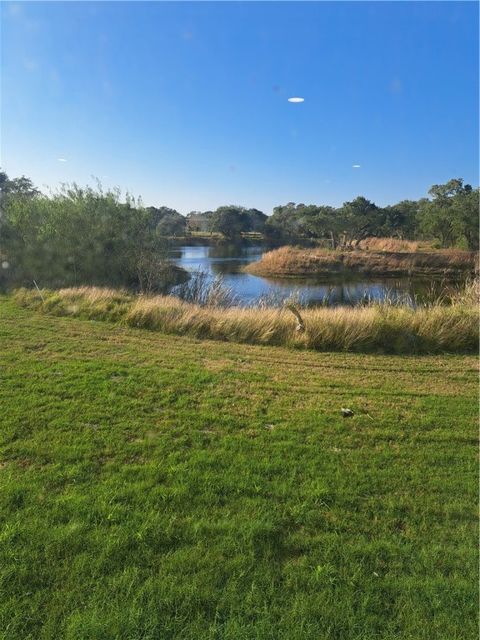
(158, 487)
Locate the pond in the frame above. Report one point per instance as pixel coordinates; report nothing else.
(227, 260)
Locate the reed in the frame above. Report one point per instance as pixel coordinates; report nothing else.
(384, 327)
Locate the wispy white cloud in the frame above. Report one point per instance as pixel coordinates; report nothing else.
(296, 99)
(61, 159)
(356, 166)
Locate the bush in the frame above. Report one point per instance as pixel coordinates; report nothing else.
(84, 237)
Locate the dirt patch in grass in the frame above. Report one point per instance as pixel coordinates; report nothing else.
(217, 365)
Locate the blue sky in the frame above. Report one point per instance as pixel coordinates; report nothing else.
(186, 103)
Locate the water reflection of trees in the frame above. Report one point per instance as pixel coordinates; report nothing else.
(347, 293)
(226, 250)
(227, 259)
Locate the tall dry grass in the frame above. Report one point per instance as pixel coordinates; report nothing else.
(393, 244)
(291, 261)
(376, 328)
(95, 303)
(204, 291)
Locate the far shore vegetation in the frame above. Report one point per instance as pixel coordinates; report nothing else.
(85, 236)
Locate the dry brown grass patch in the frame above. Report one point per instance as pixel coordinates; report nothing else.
(378, 327)
(290, 261)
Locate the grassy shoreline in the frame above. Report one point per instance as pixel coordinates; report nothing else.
(382, 328)
(154, 486)
(291, 261)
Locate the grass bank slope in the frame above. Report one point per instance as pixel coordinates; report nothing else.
(155, 486)
(376, 328)
(291, 261)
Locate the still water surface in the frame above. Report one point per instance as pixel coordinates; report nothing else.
(227, 260)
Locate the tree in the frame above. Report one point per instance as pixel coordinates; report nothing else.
(295, 221)
(19, 187)
(166, 222)
(283, 224)
(400, 220)
(359, 219)
(451, 214)
(321, 222)
(199, 221)
(469, 205)
(11, 190)
(257, 220)
(231, 221)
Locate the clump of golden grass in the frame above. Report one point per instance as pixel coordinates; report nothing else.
(392, 244)
(375, 328)
(94, 303)
(290, 261)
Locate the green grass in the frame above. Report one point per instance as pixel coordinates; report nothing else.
(158, 487)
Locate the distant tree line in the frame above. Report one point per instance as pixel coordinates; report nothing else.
(449, 216)
(90, 236)
(229, 221)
